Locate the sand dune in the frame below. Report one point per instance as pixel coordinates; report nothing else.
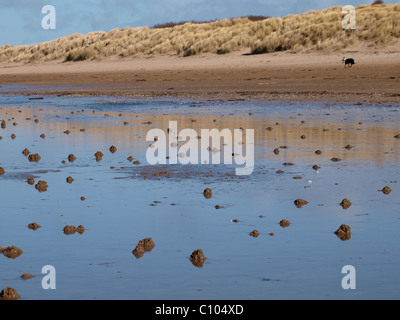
(311, 31)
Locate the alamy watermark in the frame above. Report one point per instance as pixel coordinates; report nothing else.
(49, 20)
(349, 281)
(49, 280)
(349, 20)
(197, 148)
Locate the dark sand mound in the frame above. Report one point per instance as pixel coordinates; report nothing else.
(34, 157)
(113, 149)
(27, 276)
(344, 232)
(145, 245)
(26, 152)
(255, 233)
(386, 190)
(71, 158)
(346, 203)
(68, 230)
(207, 193)
(99, 156)
(299, 203)
(9, 294)
(198, 258)
(41, 186)
(34, 226)
(12, 252)
(284, 223)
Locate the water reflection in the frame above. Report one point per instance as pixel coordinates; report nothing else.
(127, 199)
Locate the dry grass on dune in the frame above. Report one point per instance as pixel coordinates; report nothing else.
(315, 30)
(174, 24)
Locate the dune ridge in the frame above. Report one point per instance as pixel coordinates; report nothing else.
(312, 31)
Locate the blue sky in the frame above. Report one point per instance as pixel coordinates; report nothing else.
(21, 20)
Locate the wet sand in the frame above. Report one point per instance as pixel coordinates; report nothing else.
(315, 76)
(259, 245)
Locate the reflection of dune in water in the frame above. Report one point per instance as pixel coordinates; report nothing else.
(372, 136)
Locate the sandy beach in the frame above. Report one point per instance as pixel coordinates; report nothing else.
(315, 76)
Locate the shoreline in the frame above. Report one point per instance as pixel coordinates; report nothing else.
(329, 98)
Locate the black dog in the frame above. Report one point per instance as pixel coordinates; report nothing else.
(348, 62)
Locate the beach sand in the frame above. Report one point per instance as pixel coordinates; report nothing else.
(315, 76)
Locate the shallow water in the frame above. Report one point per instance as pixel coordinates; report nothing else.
(126, 203)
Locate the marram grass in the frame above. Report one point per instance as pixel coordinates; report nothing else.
(315, 30)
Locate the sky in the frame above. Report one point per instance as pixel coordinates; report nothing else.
(21, 20)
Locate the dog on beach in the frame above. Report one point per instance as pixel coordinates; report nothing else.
(348, 62)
